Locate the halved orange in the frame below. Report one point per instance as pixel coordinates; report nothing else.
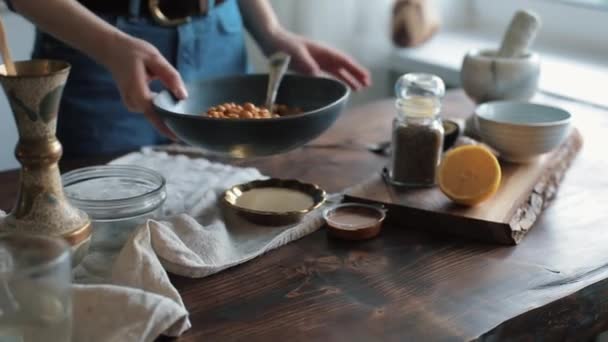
(469, 174)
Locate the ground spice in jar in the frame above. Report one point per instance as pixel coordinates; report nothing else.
(417, 130)
(416, 154)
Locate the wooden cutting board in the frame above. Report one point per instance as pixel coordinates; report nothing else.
(525, 190)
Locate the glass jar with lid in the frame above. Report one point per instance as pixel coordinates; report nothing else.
(417, 134)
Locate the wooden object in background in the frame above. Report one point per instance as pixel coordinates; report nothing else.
(525, 190)
(414, 22)
(6, 52)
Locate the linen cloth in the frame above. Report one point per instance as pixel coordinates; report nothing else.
(122, 290)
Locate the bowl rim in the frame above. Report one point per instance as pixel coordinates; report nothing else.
(117, 208)
(380, 210)
(344, 96)
(57, 67)
(488, 54)
(480, 116)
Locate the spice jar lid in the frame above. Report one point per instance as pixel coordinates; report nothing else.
(419, 85)
(419, 94)
(110, 192)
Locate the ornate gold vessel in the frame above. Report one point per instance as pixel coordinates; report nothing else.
(41, 208)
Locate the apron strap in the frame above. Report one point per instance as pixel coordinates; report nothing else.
(210, 6)
(134, 8)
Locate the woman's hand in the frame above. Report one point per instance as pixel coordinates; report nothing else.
(307, 56)
(313, 58)
(134, 63)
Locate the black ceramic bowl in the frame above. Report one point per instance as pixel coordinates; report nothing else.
(321, 99)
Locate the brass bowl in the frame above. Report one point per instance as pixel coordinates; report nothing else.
(273, 218)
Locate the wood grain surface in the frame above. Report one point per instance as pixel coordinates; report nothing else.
(408, 285)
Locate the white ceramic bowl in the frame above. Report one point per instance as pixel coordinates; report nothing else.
(522, 131)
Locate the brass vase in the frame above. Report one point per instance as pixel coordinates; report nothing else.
(41, 208)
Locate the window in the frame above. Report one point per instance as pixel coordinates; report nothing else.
(569, 27)
(571, 43)
(597, 3)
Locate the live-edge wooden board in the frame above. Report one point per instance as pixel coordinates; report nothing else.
(525, 190)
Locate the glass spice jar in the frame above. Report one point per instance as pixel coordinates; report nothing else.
(417, 137)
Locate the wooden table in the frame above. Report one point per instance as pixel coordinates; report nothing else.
(407, 284)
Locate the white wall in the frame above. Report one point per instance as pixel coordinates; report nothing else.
(357, 27)
(20, 35)
(360, 28)
(567, 29)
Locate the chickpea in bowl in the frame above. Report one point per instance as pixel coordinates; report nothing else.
(248, 110)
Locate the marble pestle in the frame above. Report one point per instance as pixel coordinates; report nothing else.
(520, 35)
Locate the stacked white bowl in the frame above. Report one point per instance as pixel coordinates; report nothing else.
(522, 131)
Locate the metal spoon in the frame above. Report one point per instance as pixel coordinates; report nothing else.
(381, 148)
(277, 66)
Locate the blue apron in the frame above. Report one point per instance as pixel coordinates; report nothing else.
(92, 119)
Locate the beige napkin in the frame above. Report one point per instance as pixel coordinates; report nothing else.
(125, 293)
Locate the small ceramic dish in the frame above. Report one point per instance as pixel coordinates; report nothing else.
(451, 131)
(522, 131)
(274, 202)
(353, 221)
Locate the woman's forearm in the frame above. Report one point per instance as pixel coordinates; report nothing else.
(72, 23)
(261, 22)
(132, 62)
